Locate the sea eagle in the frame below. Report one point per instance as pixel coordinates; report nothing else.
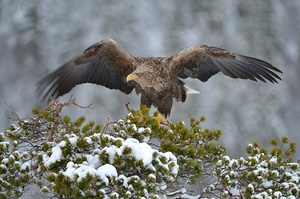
(157, 79)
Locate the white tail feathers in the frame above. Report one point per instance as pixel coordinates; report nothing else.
(190, 90)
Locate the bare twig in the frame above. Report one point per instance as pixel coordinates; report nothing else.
(127, 105)
(106, 127)
(58, 106)
(15, 116)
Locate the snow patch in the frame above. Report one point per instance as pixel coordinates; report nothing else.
(82, 170)
(55, 156)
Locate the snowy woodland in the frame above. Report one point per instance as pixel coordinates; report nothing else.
(112, 152)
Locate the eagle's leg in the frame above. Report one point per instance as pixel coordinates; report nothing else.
(160, 120)
(145, 101)
(164, 107)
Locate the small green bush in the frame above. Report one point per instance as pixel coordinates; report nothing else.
(135, 157)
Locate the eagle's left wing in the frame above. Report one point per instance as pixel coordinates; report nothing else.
(202, 62)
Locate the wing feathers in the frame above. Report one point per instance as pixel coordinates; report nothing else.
(262, 68)
(202, 62)
(104, 63)
(237, 70)
(223, 68)
(252, 75)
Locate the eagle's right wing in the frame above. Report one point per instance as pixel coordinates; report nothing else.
(103, 63)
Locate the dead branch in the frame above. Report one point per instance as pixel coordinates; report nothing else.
(127, 106)
(15, 116)
(59, 106)
(106, 127)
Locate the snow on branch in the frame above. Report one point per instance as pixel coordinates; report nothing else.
(136, 157)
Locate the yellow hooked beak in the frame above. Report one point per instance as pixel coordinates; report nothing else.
(131, 76)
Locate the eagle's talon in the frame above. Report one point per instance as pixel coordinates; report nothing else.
(141, 116)
(160, 120)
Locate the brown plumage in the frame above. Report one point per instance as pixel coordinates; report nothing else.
(156, 78)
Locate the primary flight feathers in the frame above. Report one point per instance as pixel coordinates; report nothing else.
(156, 78)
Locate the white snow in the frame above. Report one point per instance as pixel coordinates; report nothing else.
(55, 156)
(267, 184)
(141, 151)
(152, 176)
(273, 160)
(93, 160)
(108, 170)
(285, 185)
(3, 166)
(88, 140)
(5, 160)
(124, 179)
(142, 129)
(82, 171)
(293, 164)
(5, 145)
(251, 187)
(111, 151)
(233, 163)
(277, 194)
(25, 165)
(45, 189)
(226, 158)
(73, 140)
(133, 126)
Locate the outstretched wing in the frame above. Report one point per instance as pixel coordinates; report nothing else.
(103, 63)
(202, 62)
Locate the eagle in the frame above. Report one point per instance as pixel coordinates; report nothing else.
(159, 80)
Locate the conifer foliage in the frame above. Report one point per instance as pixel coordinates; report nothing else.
(135, 157)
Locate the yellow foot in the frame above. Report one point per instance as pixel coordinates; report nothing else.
(160, 120)
(141, 117)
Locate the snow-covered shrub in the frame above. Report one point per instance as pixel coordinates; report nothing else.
(135, 157)
(99, 166)
(262, 174)
(15, 171)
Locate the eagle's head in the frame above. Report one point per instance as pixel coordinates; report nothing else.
(143, 75)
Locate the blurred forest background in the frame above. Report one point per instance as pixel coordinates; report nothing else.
(37, 36)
